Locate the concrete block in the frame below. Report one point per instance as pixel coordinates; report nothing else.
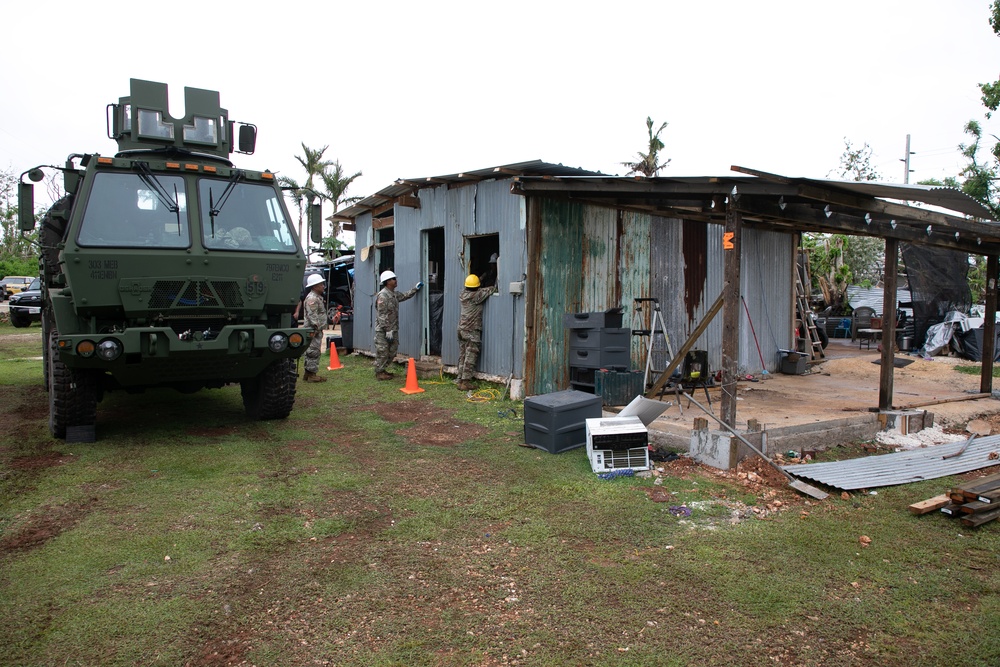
(904, 422)
(714, 448)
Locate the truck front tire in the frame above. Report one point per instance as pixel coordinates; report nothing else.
(72, 393)
(271, 394)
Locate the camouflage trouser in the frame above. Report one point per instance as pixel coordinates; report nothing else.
(385, 350)
(468, 353)
(313, 353)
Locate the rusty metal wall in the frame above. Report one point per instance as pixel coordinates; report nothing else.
(687, 277)
(589, 258)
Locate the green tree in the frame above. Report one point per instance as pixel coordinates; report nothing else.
(838, 260)
(649, 164)
(335, 183)
(18, 251)
(313, 163)
(294, 191)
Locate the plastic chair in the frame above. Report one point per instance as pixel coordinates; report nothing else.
(843, 329)
(861, 319)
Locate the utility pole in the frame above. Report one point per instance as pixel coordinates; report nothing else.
(906, 161)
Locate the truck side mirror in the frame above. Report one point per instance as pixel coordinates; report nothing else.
(248, 138)
(316, 223)
(25, 206)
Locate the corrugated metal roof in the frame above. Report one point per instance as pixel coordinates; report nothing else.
(405, 186)
(935, 195)
(902, 467)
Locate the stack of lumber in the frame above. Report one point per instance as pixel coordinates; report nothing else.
(976, 502)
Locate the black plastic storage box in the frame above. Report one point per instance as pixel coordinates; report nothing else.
(794, 363)
(618, 386)
(557, 422)
(610, 318)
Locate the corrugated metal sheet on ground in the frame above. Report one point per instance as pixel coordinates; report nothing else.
(902, 467)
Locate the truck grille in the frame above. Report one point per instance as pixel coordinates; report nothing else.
(195, 294)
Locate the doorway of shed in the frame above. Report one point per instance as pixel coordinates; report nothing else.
(432, 273)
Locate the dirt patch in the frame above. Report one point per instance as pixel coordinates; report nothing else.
(433, 426)
(40, 461)
(43, 524)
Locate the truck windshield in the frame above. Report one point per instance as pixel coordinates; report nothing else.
(124, 212)
(250, 218)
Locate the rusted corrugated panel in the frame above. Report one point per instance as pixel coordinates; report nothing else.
(685, 295)
(599, 259)
(633, 270)
(557, 287)
(687, 279)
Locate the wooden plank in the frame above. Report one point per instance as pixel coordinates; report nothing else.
(952, 509)
(976, 507)
(930, 505)
(981, 485)
(981, 518)
(989, 497)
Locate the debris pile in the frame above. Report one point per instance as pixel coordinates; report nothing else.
(976, 502)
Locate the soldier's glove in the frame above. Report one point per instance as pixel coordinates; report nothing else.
(389, 335)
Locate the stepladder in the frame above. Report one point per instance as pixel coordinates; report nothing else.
(649, 326)
(805, 315)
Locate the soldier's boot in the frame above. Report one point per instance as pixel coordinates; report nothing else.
(382, 375)
(313, 377)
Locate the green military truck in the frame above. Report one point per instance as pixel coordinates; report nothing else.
(167, 266)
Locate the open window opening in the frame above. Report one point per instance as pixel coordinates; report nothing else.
(482, 249)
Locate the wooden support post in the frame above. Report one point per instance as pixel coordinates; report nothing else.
(887, 371)
(731, 308)
(989, 326)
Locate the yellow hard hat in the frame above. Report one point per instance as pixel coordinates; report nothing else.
(472, 281)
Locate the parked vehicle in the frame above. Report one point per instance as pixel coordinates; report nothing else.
(26, 306)
(167, 266)
(14, 284)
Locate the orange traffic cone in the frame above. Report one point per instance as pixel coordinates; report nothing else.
(411, 379)
(334, 359)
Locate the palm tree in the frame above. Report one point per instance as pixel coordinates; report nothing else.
(295, 192)
(648, 164)
(313, 163)
(336, 183)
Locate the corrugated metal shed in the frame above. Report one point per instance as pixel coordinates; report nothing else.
(858, 296)
(900, 468)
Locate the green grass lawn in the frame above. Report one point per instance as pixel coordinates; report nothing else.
(376, 528)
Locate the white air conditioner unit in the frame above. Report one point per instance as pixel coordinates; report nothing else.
(617, 443)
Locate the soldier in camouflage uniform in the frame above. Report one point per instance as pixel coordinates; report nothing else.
(470, 328)
(387, 322)
(315, 317)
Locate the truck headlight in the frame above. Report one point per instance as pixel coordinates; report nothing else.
(85, 348)
(296, 340)
(109, 349)
(277, 342)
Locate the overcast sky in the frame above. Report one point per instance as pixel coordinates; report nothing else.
(413, 89)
